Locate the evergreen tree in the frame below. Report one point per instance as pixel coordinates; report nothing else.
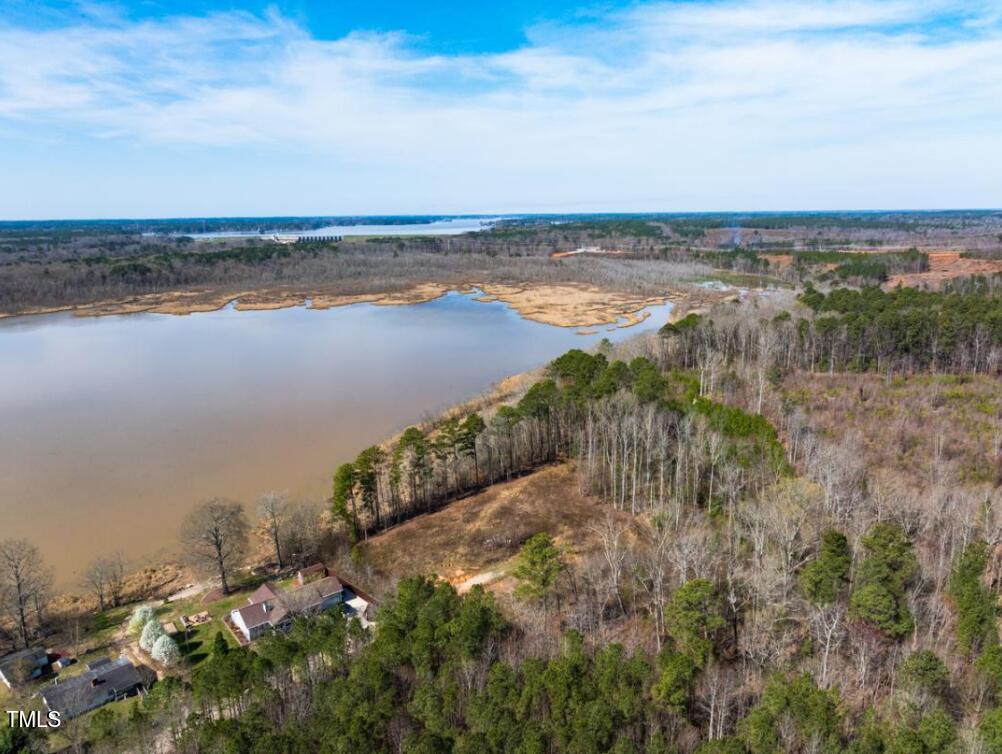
(991, 730)
(539, 565)
(343, 499)
(793, 715)
(824, 578)
(673, 687)
(694, 618)
(879, 589)
(973, 604)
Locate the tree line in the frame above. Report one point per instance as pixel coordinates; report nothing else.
(641, 439)
(900, 331)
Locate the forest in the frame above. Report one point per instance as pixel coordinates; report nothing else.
(66, 263)
(774, 595)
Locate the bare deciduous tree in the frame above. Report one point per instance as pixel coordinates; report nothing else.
(105, 578)
(215, 537)
(272, 507)
(24, 586)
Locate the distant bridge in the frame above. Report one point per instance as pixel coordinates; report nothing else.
(318, 239)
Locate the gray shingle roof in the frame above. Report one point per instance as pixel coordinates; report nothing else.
(100, 683)
(35, 655)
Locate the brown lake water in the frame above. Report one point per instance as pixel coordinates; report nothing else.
(113, 428)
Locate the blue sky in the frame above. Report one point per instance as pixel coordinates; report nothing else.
(203, 107)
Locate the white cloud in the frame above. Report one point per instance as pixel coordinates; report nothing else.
(658, 104)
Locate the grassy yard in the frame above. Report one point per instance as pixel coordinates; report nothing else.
(107, 623)
(197, 645)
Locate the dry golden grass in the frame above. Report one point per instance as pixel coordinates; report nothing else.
(485, 530)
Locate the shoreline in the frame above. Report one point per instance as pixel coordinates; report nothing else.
(570, 305)
(551, 304)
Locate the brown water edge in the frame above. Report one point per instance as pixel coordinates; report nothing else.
(561, 305)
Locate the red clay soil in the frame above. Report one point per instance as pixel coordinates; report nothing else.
(943, 266)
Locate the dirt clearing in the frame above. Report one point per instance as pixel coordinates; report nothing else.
(944, 266)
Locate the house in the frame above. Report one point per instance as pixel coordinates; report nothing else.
(270, 608)
(104, 681)
(20, 666)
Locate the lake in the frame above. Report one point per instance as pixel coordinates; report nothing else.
(451, 227)
(112, 428)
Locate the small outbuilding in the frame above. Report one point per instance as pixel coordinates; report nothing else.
(22, 666)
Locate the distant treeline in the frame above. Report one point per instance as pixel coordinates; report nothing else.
(212, 224)
(844, 266)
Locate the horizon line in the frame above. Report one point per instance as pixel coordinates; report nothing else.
(513, 215)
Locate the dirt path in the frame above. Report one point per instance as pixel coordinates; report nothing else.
(480, 579)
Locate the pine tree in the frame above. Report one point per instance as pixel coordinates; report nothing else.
(879, 590)
(825, 577)
(539, 565)
(694, 618)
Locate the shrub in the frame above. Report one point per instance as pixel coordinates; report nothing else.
(151, 632)
(165, 651)
(140, 617)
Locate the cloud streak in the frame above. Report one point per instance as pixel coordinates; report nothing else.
(664, 105)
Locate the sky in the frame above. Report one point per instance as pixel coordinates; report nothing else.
(195, 108)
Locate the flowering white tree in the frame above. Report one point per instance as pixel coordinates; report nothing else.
(140, 617)
(151, 632)
(165, 651)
